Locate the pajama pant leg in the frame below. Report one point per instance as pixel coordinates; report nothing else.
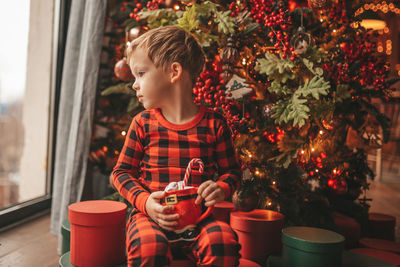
(146, 244)
(216, 245)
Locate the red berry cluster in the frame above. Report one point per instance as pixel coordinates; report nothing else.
(154, 4)
(338, 13)
(276, 21)
(210, 88)
(235, 8)
(372, 70)
(314, 165)
(136, 10)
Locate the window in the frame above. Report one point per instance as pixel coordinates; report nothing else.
(32, 39)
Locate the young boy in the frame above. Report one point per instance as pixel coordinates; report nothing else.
(161, 141)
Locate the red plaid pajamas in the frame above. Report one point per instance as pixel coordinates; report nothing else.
(157, 152)
(146, 243)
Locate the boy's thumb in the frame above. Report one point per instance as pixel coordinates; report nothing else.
(159, 194)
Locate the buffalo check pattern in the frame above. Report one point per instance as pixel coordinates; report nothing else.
(157, 152)
(147, 244)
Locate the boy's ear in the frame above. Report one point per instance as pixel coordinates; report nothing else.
(175, 71)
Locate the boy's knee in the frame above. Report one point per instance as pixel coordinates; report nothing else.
(220, 247)
(221, 240)
(152, 252)
(222, 231)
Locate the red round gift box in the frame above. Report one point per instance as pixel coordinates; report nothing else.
(381, 226)
(259, 232)
(380, 254)
(222, 211)
(380, 244)
(247, 263)
(348, 227)
(97, 233)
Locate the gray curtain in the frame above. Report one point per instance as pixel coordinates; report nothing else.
(76, 106)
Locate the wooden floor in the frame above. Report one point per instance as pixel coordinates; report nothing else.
(31, 244)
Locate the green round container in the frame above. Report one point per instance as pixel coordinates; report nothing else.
(66, 233)
(311, 247)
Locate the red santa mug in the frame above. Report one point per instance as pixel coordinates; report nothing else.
(183, 198)
(184, 202)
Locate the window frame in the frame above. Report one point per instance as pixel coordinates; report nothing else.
(24, 211)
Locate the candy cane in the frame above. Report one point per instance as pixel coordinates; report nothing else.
(189, 169)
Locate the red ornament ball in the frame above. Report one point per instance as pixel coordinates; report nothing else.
(122, 71)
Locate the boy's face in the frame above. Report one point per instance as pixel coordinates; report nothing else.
(152, 84)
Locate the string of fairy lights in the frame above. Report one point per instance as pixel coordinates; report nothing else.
(384, 45)
(384, 7)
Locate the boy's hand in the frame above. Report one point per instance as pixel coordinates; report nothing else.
(159, 213)
(211, 192)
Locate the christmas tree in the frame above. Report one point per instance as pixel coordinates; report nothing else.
(294, 80)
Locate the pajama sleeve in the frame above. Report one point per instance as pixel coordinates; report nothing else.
(229, 170)
(125, 172)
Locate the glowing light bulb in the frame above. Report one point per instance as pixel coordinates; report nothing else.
(123, 133)
(321, 132)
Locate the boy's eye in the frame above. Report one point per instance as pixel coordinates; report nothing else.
(140, 73)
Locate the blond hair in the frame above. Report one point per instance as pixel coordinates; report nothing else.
(168, 44)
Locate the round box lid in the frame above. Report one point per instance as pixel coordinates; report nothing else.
(380, 244)
(97, 212)
(380, 217)
(224, 205)
(311, 239)
(252, 221)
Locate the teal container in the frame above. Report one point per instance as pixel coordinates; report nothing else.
(65, 233)
(311, 247)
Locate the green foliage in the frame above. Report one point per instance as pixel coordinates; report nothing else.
(292, 108)
(226, 24)
(277, 88)
(189, 19)
(206, 8)
(121, 88)
(342, 93)
(276, 68)
(310, 65)
(251, 27)
(316, 87)
(160, 17)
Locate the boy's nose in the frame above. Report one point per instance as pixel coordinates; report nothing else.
(135, 87)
